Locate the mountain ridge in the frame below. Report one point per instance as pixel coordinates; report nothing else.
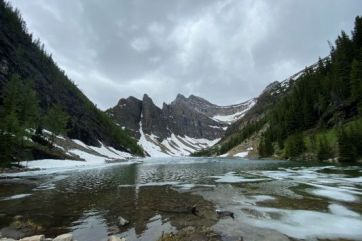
(185, 117)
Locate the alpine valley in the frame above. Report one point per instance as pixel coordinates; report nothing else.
(282, 166)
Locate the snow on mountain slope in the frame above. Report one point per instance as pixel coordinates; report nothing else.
(173, 145)
(150, 144)
(229, 119)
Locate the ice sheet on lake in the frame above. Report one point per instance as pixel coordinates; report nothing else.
(305, 224)
(231, 177)
(334, 186)
(342, 211)
(335, 194)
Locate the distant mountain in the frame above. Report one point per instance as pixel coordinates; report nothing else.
(25, 57)
(179, 128)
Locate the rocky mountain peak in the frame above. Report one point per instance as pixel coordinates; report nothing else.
(176, 125)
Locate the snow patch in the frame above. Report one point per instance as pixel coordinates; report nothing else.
(174, 145)
(149, 145)
(229, 119)
(242, 154)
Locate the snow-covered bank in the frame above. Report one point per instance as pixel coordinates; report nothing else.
(91, 157)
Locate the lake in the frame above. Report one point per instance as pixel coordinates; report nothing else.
(270, 200)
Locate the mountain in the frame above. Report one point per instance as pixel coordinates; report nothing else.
(179, 128)
(24, 58)
(316, 114)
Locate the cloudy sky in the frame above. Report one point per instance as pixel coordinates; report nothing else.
(226, 51)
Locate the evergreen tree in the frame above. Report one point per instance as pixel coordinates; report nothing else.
(29, 108)
(294, 146)
(357, 32)
(261, 148)
(56, 121)
(346, 149)
(324, 149)
(356, 80)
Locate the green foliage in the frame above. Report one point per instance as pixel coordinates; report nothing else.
(347, 152)
(29, 108)
(294, 146)
(324, 149)
(56, 121)
(242, 135)
(356, 80)
(321, 97)
(19, 112)
(350, 142)
(265, 147)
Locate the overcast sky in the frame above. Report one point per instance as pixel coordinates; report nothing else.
(225, 51)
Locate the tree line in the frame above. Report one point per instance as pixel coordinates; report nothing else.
(23, 121)
(324, 97)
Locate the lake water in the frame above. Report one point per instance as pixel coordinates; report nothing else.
(271, 200)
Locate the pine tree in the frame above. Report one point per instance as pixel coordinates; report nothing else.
(357, 32)
(294, 146)
(356, 80)
(269, 149)
(56, 121)
(29, 108)
(346, 149)
(261, 148)
(324, 149)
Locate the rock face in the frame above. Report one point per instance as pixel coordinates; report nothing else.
(179, 128)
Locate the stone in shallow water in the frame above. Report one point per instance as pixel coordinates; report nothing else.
(122, 222)
(33, 238)
(115, 238)
(64, 237)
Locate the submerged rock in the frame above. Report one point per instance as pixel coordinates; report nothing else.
(122, 222)
(223, 214)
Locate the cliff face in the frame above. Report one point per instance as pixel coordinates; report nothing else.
(179, 128)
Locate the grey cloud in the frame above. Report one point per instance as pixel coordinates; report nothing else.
(225, 51)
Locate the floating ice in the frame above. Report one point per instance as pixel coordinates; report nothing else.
(18, 196)
(342, 211)
(303, 224)
(231, 177)
(335, 194)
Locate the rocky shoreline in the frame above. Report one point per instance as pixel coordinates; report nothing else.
(63, 237)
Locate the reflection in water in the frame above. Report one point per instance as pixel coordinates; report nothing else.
(156, 196)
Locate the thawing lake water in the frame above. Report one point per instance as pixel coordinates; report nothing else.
(271, 200)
